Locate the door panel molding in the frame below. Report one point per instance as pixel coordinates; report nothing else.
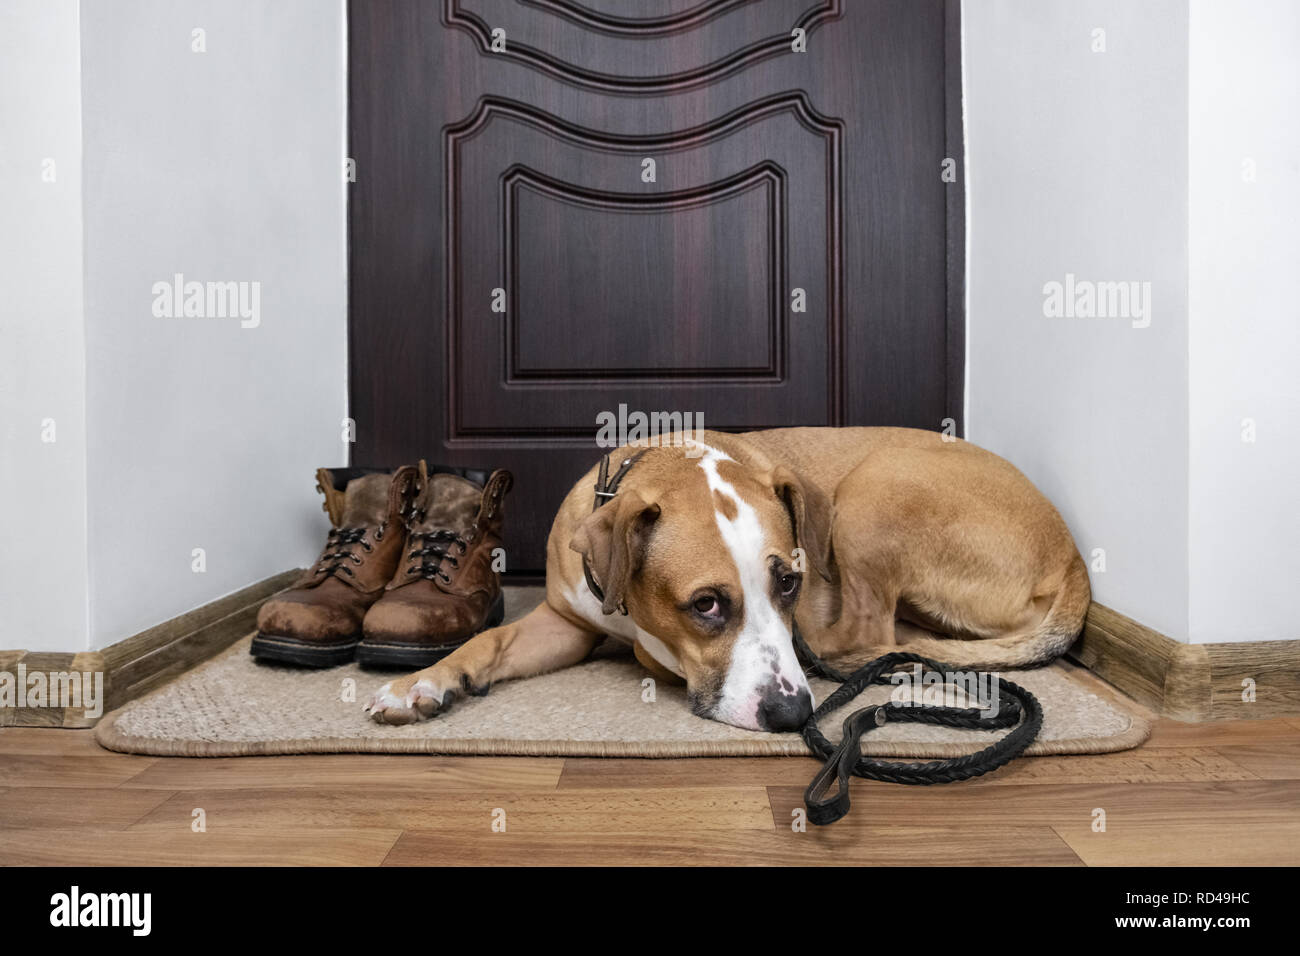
(765, 176)
(764, 127)
(770, 45)
(637, 26)
(794, 102)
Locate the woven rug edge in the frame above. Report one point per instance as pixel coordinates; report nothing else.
(107, 735)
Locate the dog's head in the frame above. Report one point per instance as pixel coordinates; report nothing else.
(702, 553)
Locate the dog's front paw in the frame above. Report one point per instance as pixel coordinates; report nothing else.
(411, 698)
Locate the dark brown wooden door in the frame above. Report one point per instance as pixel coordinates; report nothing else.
(625, 203)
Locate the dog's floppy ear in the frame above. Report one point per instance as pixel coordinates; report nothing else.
(613, 539)
(810, 513)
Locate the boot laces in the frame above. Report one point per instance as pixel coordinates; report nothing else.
(343, 541)
(434, 551)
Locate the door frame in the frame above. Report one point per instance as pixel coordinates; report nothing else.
(955, 140)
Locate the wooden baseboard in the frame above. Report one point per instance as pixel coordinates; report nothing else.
(24, 705)
(140, 663)
(1192, 682)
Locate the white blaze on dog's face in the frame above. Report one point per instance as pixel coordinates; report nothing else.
(714, 597)
(765, 687)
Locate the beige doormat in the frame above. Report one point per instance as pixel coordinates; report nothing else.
(235, 706)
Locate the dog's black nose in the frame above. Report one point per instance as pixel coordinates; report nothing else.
(786, 712)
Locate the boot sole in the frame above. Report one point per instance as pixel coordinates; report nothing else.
(415, 656)
(291, 650)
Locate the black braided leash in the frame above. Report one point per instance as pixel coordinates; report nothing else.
(846, 758)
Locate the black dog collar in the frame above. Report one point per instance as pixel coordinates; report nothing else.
(606, 488)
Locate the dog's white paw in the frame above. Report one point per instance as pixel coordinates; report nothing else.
(406, 700)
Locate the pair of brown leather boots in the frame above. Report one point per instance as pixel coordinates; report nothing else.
(408, 573)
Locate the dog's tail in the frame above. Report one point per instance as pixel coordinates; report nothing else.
(1042, 645)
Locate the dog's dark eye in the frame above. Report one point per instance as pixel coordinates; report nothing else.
(789, 583)
(707, 605)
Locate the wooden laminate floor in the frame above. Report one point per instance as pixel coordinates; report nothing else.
(1199, 794)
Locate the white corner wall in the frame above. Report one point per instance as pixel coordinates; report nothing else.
(1172, 157)
(1244, 348)
(223, 165)
(42, 360)
(1077, 164)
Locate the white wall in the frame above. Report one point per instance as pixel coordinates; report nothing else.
(42, 362)
(221, 165)
(1077, 163)
(1244, 348)
(1174, 157)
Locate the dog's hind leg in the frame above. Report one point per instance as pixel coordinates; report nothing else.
(541, 641)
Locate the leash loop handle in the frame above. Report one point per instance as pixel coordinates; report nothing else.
(823, 809)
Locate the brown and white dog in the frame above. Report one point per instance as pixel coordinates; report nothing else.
(911, 542)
